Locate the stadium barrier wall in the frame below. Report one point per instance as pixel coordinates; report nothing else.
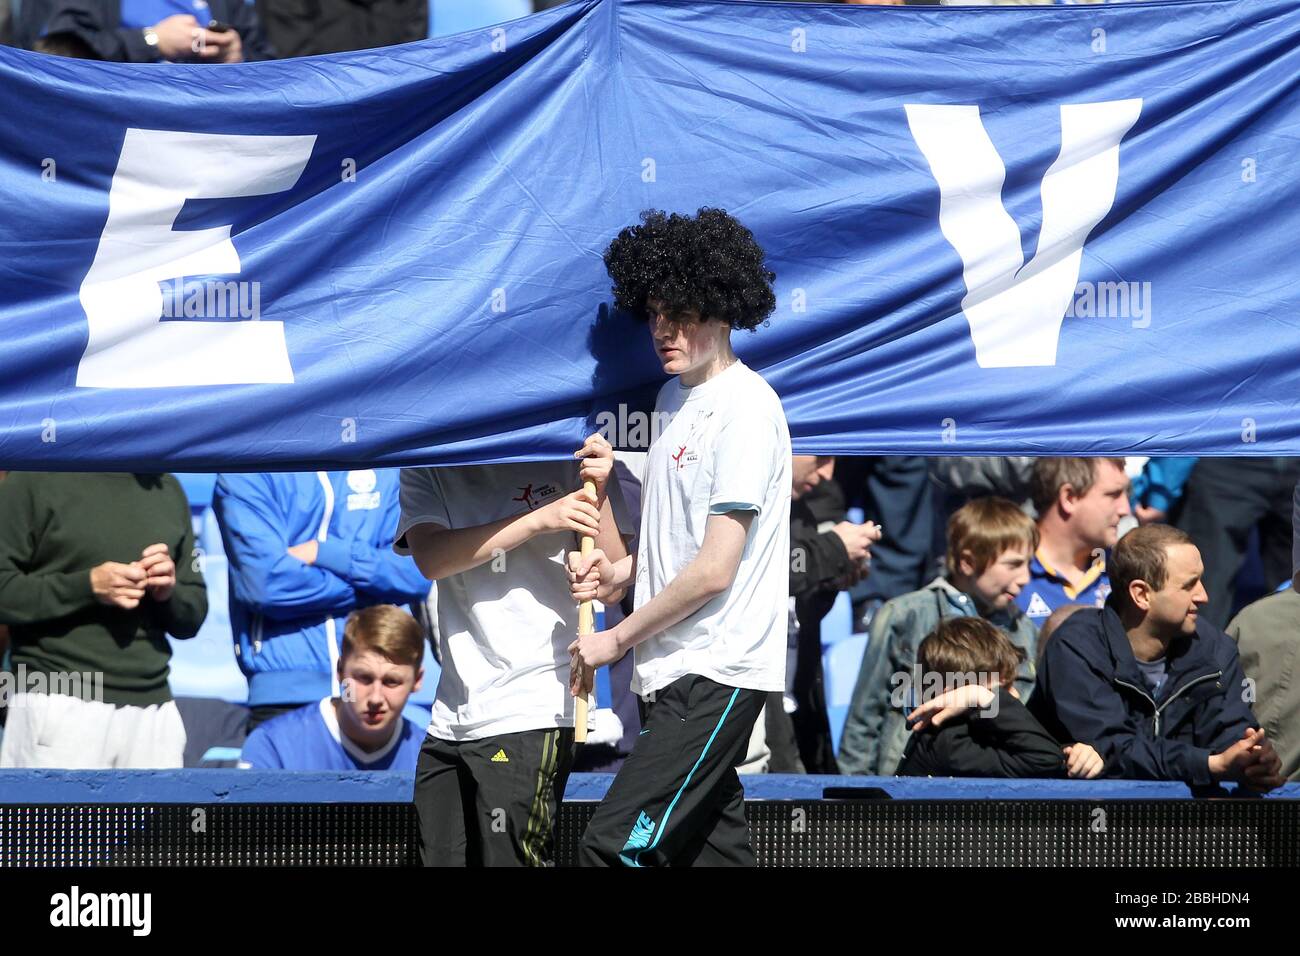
(261, 818)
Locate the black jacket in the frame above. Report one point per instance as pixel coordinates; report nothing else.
(308, 27)
(1010, 743)
(817, 561)
(99, 23)
(1091, 690)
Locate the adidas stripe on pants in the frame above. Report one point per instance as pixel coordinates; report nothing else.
(677, 800)
(492, 802)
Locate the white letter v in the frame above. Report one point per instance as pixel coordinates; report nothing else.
(1015, 310)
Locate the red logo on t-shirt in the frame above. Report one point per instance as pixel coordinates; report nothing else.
(526, 497)
(678, 457)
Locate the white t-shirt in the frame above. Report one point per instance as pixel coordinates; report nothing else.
(504, 627)
(725, 447)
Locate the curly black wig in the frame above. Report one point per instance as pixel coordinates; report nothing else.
(709, 263)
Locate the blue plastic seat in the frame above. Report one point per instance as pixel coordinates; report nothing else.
(841, 663)
(456, 16)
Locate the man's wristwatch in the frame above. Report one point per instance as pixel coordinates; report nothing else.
(151, 39)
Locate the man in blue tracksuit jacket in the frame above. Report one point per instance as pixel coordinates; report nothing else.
(305, 550)
(1156, 690)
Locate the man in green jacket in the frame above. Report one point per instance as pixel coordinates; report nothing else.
(95, 571)
(1268, 639)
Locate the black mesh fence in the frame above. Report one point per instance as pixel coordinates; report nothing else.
(869, 833)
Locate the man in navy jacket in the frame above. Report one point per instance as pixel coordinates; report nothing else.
(1158, 692)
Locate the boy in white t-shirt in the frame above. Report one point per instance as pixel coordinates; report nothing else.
(492, 769)
(712, 568)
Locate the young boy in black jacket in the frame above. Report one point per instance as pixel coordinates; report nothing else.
(976, 725)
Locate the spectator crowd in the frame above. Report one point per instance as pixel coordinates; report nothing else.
(1109, 617)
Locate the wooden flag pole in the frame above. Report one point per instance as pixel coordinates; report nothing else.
(586, 625)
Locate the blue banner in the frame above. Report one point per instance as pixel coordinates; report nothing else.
(1028, 230)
